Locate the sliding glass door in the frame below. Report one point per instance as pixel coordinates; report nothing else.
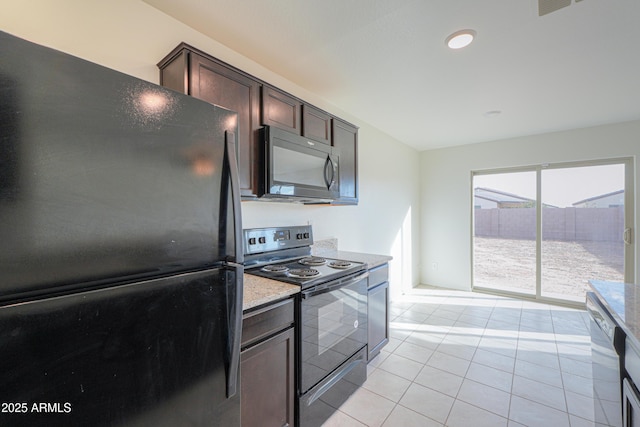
(582, 228)
(505, 231)
(546, 231)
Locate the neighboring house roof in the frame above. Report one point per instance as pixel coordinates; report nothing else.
(504, 198)
(602, 196)
(499, 196)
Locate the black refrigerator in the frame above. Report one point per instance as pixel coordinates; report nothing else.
(120, 249)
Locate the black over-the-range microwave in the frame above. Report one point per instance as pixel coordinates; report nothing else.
(298, 169)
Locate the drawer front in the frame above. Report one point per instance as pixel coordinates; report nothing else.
(267, 321)
(378, 275)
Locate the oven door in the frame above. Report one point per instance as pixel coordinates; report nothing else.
(298, 168)
(334, 326)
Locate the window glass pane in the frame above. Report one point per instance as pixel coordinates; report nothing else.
(505, 231)
(582, 228)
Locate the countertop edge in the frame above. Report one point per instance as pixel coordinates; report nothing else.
(620, 289)
(259, 290)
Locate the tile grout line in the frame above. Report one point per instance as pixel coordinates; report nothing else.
(454, 319)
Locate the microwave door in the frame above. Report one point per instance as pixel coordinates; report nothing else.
(300, 169)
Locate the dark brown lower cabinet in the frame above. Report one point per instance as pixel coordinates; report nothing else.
(377, 310)
(267, 367)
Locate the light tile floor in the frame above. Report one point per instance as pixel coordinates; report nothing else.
(461, 359)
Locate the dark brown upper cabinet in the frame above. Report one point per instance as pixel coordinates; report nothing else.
(195, 73)
(281, 110)
(316, 124)
(345, 139)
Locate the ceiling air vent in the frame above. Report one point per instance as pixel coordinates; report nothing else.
(548, 6)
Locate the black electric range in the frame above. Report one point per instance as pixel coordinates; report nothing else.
(332, 321)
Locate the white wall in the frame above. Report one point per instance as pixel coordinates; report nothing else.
(447, 195)
(131, 36)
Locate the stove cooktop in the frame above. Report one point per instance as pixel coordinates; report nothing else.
(307, 271)
(284, 253)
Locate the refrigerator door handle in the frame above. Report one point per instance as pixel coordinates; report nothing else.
(232, 164)
(234, 330)
(234, 301)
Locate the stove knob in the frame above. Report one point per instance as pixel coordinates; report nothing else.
(299, 236)
(252, 240)
(262, 240)
(306, 235)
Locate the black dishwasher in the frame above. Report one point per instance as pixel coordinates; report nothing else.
(607, 348)
(630, 394)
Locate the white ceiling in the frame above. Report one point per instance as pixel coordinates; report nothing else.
(386, 62)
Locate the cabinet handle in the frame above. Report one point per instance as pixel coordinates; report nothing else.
(311, 143)
(318, 394)
(323, 289)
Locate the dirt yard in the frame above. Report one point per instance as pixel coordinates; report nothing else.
(509, 264)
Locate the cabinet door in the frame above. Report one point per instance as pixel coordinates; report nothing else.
(281, 110)
(267, 382)
(345, 139)
(377, 319)
(316, 124)
(220, 85)
(195, 74)
(174, 72)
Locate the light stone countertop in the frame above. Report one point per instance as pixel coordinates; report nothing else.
(371, 260)
(259, 290)
(622, 300)
(328, 248)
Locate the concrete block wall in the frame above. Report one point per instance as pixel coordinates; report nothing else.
(567, 224)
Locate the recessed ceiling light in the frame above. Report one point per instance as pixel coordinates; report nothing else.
(460, 39)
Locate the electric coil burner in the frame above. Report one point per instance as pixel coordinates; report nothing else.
(275, 269)
(313, 260)
(303, 273)
(331, 326)
(340, 264)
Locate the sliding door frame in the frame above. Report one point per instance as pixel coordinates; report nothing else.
(629, 223)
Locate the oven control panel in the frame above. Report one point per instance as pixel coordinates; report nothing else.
(257, 240)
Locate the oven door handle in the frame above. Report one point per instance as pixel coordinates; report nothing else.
(323, 289)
